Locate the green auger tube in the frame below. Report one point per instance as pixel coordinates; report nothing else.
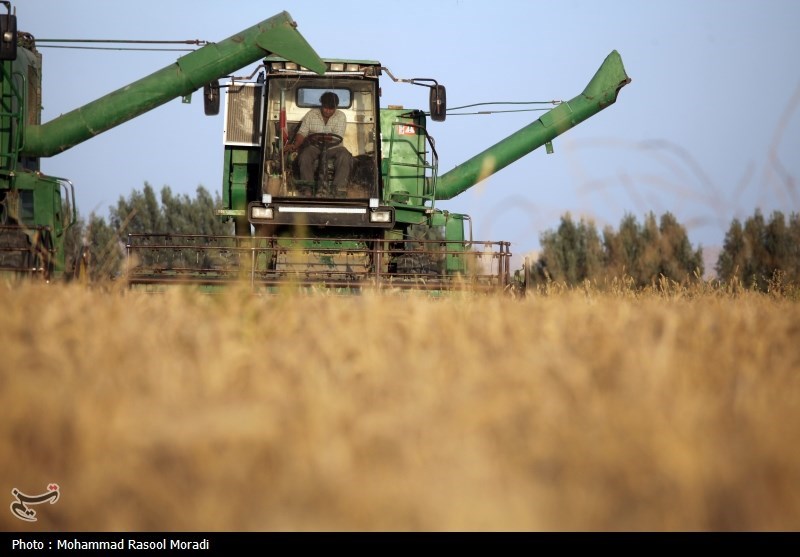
(601, 92)
(276, 35)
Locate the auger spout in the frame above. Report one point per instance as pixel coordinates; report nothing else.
(276, 35)
(601, 92)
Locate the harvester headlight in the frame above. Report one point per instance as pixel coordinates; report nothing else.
(291, 66)
(351, 67)
(262, 213)
(337, 67)
(380, 216)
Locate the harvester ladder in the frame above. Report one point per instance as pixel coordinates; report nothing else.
(420, 162)
(10, 119)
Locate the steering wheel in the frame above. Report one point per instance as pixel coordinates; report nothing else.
(320, 140)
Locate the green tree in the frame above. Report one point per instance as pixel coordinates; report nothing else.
(754, 252)
(733, 257)
(94, 251)
(793, 263)
(185, 215)
(572, 253)
(106, 249)
(653, 249)
(677, 260)
(624, 249)
(140, 213)
(100, 246)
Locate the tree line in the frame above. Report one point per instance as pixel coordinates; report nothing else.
(754, 252)
(759, 252)
(100, 244)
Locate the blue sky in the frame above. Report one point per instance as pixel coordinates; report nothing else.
(709, 128)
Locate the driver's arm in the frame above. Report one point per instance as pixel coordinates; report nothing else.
(298, 141)
(300, 136)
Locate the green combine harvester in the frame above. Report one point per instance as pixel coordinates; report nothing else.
(373, 221)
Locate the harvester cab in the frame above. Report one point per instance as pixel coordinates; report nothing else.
(289, 176)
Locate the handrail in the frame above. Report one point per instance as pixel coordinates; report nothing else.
(404, 263)
(429, 183)
(15, 138)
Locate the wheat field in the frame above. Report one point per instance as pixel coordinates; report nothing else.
(567, 410)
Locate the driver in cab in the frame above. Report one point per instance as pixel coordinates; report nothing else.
(323, 120)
